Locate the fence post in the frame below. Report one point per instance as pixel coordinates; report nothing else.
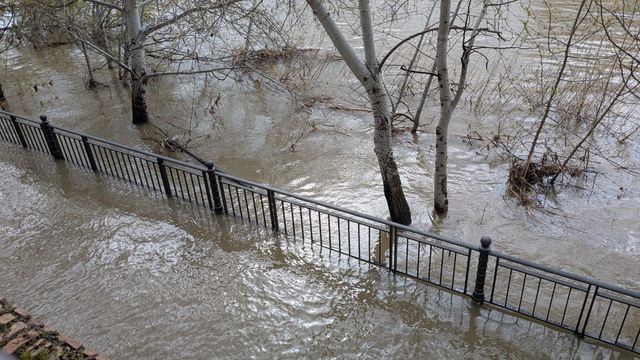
(584, 304)
(16, 126)
(87, 150)
(393, 240)
(215, 192)
(50, 138)
(481, 272)
(163, 176)
(586, 320)
(273, 210)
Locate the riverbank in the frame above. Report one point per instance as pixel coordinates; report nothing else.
(26, 337)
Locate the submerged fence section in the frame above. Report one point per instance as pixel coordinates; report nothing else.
(582, 305)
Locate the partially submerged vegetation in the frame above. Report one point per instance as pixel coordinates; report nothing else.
(579, 81)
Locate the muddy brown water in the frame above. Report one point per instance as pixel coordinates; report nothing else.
(137, 276)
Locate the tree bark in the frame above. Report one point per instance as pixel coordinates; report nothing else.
(396, 201)
(370, 77)
(440, 195)
(423, 98)
(3, 100)
(136, 36)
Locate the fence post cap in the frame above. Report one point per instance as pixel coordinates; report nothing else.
(43, 118)
(208, 164)
(485, 241)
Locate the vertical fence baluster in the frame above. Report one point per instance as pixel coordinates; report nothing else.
(453, 272)
(182, 188)
(524, 283)
(395, 251)
(320, 228)
(186, 185)
(233, 208)
(246, 204)
(284, 217)
(393, 238)
(429, 265)
(348, 237)
(301, 222)
(622, 324)
(293, 219)
(239, 202)
(555, 284)
(16, 126)
(535, 302)
(566, 304)
(418, 261)
(441, 266)
(87, 150)
(466, 274)
(606, 317)
(255, 208)
(506, 297)
(584, 304)
(359, 254)
(273, 210)
(310, 224)
(264, 217)
(163, 176)
(339, 236)
(406, 255)
(223, 195)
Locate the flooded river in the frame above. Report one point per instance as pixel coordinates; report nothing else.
(137, 276)
(140, 277)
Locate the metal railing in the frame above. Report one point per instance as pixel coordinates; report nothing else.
(585, 306)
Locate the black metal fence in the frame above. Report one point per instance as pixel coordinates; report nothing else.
(582, 305)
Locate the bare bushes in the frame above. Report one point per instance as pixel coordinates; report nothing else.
(528, 179)
(287, 53)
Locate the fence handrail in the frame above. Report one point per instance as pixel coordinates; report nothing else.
(352, 212)
(112, 143)
(19, 117)
(568, 275)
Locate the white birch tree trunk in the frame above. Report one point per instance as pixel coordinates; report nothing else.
(370, 77)
(136, 47)
(440, 195)
(447, 103)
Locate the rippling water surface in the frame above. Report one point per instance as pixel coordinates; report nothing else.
(139, 276)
